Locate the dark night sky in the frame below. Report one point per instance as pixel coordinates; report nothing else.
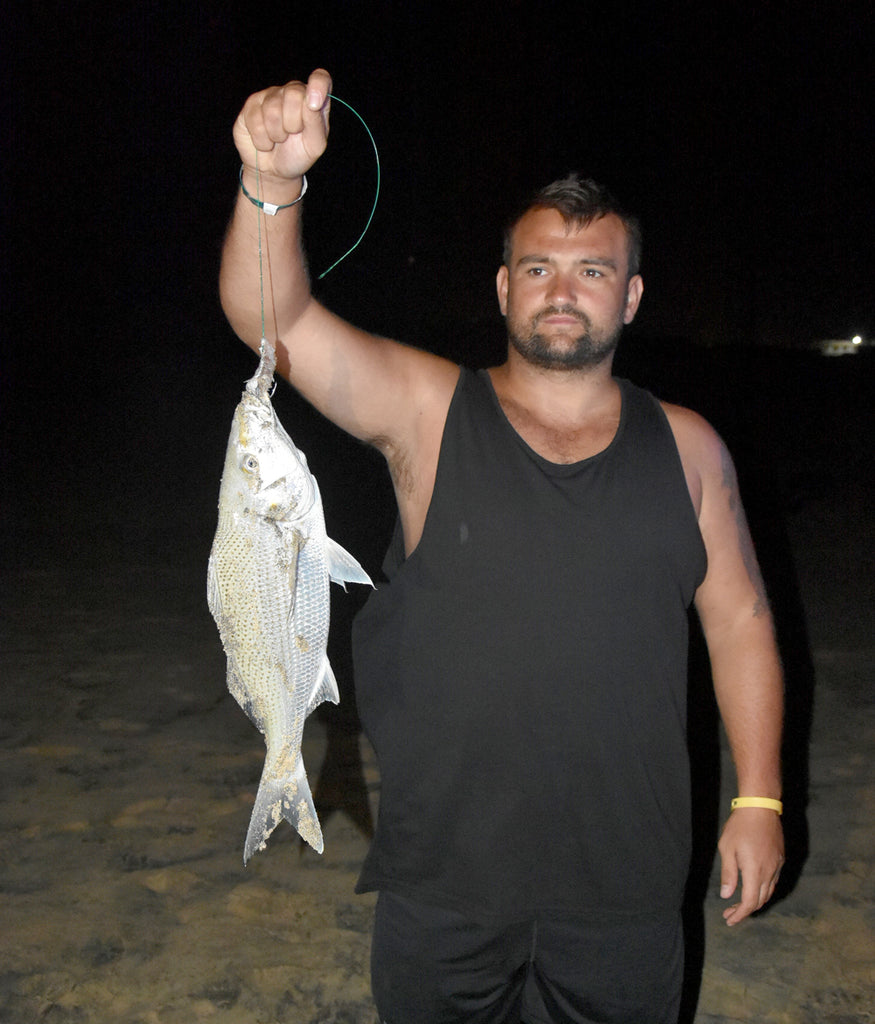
(738, 132)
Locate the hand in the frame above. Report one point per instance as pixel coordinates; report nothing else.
(752, 844)
(287, 126)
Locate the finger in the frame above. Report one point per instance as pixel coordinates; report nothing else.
(767, 889)
(281, 110)
(729, 872)
(759, 897)
(750, 894)
(730, 914)
(770, 886)
(728, 877)
(738, 912)
(753, 896)
(314, 112)
(318, 90)
(263, 118)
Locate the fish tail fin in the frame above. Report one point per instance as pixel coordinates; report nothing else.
(282, 796)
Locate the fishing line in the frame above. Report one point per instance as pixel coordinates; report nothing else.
(355, 244)
(258, 215)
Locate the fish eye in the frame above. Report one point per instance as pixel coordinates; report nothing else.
(250, 464)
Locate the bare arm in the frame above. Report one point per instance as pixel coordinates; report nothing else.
(745, 666)
(390, 395)
(378, 390)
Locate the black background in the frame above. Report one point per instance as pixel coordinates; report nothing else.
(739, 134)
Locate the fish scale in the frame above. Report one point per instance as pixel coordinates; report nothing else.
(268, 581)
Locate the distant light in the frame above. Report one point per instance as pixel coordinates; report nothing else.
(841, 346)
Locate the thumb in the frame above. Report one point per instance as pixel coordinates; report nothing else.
(728, 876)
(316, 108)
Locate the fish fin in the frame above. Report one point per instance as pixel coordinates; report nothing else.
(326, 687)
(214, 594)
(292, 542)
(342, 567)
(282, 796)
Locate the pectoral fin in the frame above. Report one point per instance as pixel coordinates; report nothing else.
(214, 593)
(342, 567)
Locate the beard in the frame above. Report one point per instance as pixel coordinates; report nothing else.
(587, 349)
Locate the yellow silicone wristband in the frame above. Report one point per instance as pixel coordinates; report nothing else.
(758, 801)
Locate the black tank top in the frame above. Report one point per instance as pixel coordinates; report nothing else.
(522, 675)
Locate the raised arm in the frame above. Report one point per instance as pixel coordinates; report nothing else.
(279, 134)
(378, 390)
(745, 665)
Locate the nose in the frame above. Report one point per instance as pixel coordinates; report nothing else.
(562, 291)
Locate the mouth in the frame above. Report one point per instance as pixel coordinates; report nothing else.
(562, 318)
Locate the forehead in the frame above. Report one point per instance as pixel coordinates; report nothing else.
(544, 232)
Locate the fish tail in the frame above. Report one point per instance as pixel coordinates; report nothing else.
(283, 796)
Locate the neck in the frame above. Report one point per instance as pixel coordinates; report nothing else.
(555, 394)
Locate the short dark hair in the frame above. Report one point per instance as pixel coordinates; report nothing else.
(580, 201)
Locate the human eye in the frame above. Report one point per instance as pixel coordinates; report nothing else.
(593, 273)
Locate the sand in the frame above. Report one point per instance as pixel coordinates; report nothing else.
(129, 775)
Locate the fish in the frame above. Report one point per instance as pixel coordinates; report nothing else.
(268, 590)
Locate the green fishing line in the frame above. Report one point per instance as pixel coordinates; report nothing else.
(355, 244)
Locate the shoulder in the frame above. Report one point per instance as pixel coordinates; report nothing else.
(733, 579)
(693, 431)
(705, 458)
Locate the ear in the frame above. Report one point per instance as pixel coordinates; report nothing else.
(634, 291)
(501, 280)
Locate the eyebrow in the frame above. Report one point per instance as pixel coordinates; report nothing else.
(588, 261)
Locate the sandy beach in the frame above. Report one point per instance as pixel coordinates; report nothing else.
(129, 774)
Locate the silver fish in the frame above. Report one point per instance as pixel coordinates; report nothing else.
(267, 589)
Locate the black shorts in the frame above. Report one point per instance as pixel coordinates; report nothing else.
(435, 966)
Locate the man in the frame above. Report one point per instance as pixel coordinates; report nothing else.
(522, 674)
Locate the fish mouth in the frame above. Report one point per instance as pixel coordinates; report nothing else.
(258, 407)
